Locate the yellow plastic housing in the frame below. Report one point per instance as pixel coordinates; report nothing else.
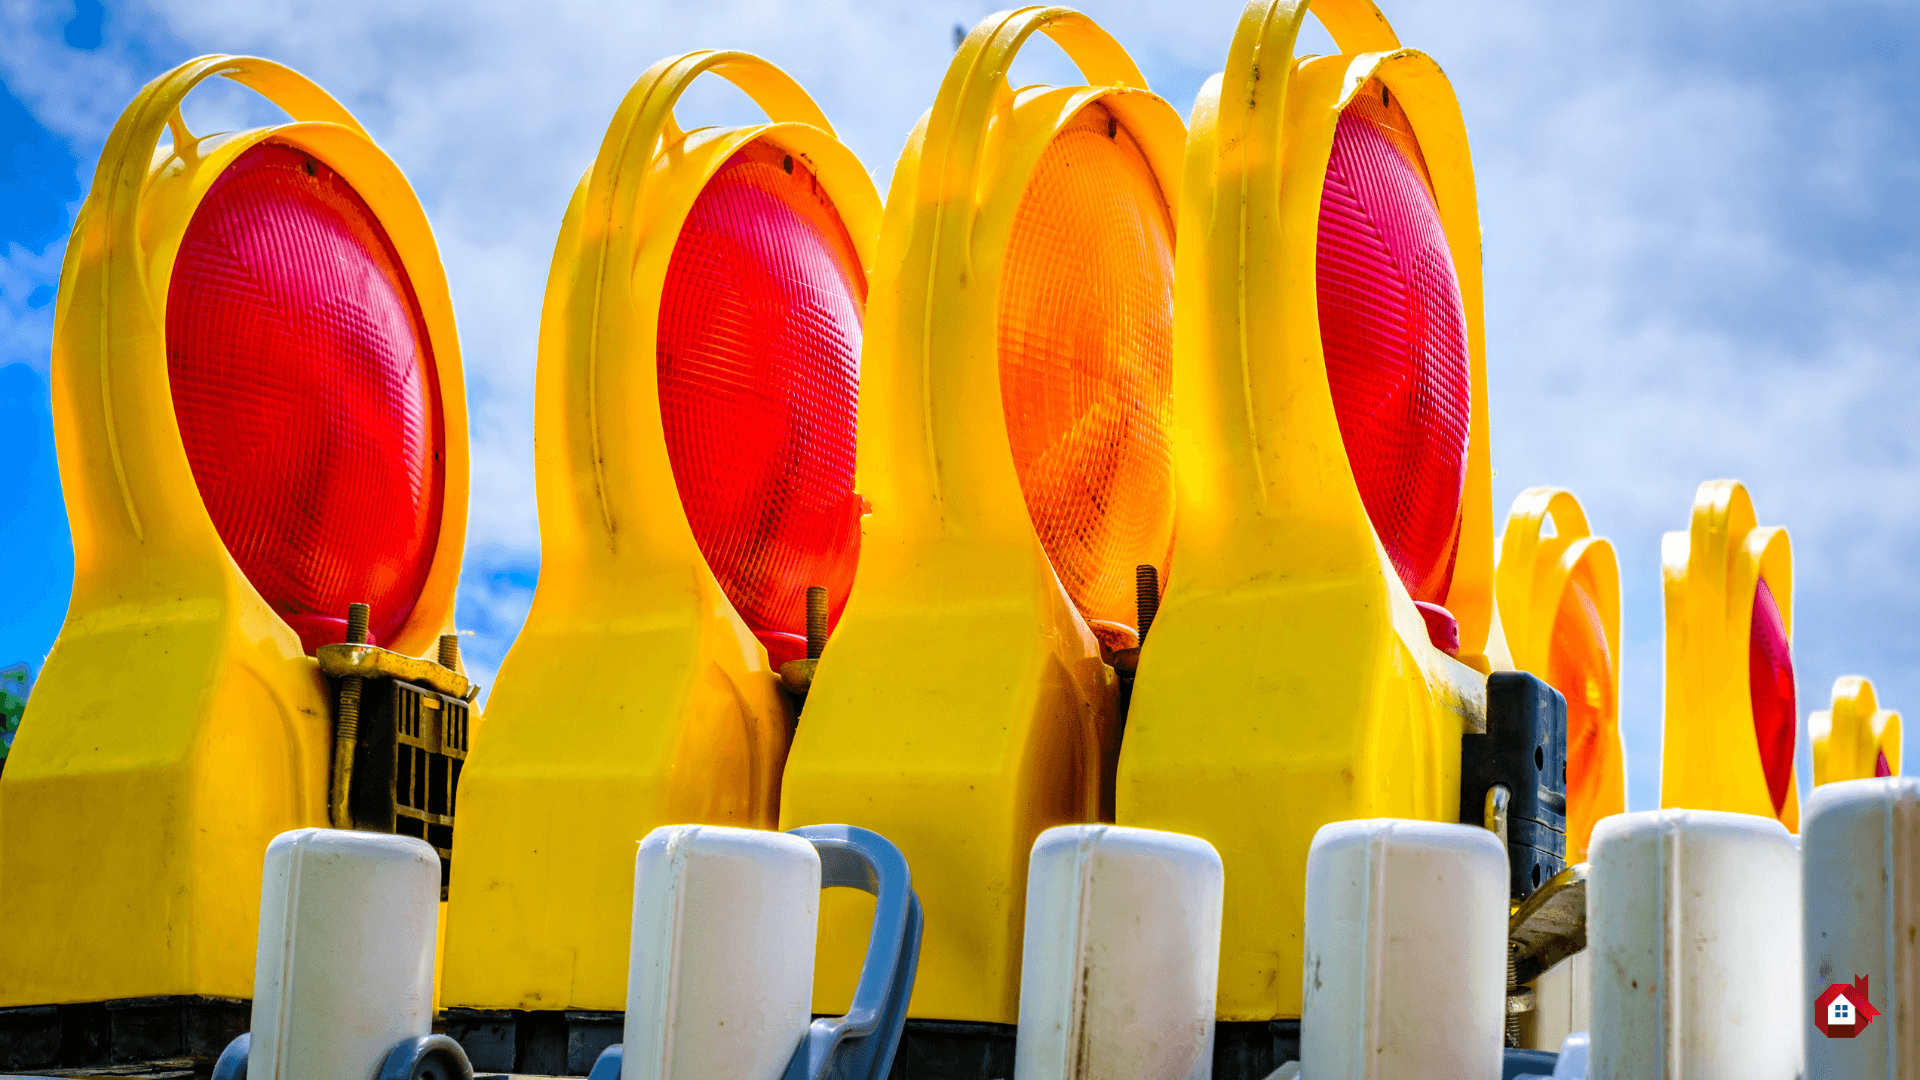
(962, 706)
(1559, 595)
(634, 696)
(178, 725)
(1289, 681)
(1710, 757)
(1851, 738)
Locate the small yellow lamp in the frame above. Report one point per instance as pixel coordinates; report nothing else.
(1730, 709)
(1856, 738)
(1559, 592)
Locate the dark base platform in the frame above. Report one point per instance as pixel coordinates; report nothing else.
(129, 1031)
(566, 1044)
(533, 1042)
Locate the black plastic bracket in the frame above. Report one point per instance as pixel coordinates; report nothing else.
(1524, 748)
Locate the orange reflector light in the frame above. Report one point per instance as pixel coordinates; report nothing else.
(1394, 334)
(1086, 357)
(1580, 666)
(1770, 680)
(305, 394)
(759, 368)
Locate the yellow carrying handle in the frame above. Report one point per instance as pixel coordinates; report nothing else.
(121, 179)
(946, 173)
(124, 163)
(976, 88)
(645, 122)
(1525, 580)
(612, 224)
(1261, 55)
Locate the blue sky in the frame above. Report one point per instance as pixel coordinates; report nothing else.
(1701, 241)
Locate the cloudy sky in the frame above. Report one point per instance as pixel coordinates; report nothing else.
(1702, 246)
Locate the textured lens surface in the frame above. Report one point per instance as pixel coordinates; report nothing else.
(1086, 355)
(306, 394)
(1770, 683)
(1580, 666)
(759, 374)
(1395, 340)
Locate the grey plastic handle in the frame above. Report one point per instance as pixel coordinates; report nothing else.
(233, 1060)
(425, 1057)
(861, 1044)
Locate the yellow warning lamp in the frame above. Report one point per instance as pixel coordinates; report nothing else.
(1559, 592)
(1730, 713)
(1013, 444)
(1856, 739)
(695, 429)
(1335, 530)
(258, 406)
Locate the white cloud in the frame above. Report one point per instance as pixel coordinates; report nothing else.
(1700, 260)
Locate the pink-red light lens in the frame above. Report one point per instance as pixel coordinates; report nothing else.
(1394, 335)
(305, 391)
(1770, 685)
(759, 376)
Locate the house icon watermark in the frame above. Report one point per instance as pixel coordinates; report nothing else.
(1842, 1010)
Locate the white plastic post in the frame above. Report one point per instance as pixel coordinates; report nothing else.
(1121, 957)
(1406, 955)
(1860, 848)
(344, 970)
(1562, 1002)
(721, 978)
(1694, 926)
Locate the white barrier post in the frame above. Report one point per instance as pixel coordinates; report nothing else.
(344, 971)
(1121, 956)
(721, 978)
(1694, 927)
(1406, 952)
(1860, 849)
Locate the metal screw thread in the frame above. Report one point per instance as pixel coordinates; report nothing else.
(357, 616)
(1513, 983)
(346, 723)
(450, 651)
(816, 621)
(1146, 596)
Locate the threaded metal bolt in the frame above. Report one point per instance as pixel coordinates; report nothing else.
(1513, 984)
(346, 723)
(450, 651)
(357, 617)
(1146, 596)
(816, 621)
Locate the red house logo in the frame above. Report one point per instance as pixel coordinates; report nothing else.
(1842, 1010)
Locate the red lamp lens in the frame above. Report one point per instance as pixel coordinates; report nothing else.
(1770, 685)
(759, 376)
(1880, 766)
(1394, 335)
(1086, 363)
(305, 391)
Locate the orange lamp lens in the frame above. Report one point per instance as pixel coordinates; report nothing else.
(306, 394)
(1086, 362)
(1580, 666)
(759, 376)
(1394, 334)
(1770, 684)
